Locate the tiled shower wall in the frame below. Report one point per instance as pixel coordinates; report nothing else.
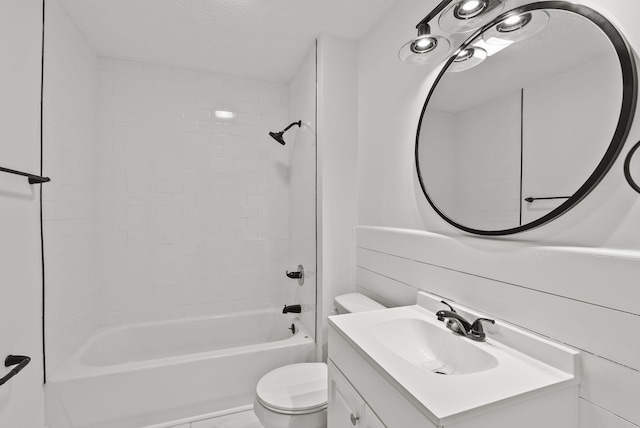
(302, 179)
(193, 214)
(70, 135)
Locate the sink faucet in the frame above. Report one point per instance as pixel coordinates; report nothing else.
(457, 324)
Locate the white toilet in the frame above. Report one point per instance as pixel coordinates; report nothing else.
(296, 395)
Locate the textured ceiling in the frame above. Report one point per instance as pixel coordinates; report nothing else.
(263, 39)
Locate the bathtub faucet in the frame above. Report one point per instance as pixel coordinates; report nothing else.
(296, 309)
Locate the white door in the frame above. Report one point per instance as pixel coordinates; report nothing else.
(21, 398)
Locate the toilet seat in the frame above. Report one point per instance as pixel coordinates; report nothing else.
(294, 389)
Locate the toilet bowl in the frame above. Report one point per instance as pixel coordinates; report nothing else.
(296, 395)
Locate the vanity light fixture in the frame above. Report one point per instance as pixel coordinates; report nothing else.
(425, 48)
(462, 16)
(517, 27)
(456, 16)
(469, 9)
(467, 58)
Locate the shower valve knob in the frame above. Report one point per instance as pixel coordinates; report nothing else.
(299, 275)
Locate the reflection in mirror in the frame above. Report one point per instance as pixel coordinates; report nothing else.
(534, 119)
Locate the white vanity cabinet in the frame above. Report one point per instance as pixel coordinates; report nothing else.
(379, 377)
(362, 391)
(347, 409)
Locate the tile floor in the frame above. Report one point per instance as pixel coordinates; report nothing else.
(246, 419)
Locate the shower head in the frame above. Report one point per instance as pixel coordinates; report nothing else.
(278, 136)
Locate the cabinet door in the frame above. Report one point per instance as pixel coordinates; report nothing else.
(371, 419)
(346, 407)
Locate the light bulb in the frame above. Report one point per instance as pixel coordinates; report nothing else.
(464, 55)
(424, 44)
(470, 8)
(462, 16)
(516, 27)
(512, 20)
(514, 23)
(467, 58)
(470, 5)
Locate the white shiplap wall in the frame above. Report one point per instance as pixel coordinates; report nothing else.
(584, 297)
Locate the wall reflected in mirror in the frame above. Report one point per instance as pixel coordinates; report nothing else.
(532, 119)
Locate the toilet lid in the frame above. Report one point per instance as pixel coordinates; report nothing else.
(296, 388)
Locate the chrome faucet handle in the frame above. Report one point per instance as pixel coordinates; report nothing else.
(448, 305)
(456, 326)
(477, 332)
(455, 322)
(441, 318)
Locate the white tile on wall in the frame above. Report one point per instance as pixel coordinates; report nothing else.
(302, 173)
(195, 216)
(69, 152)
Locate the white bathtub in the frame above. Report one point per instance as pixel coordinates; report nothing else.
(144, 374)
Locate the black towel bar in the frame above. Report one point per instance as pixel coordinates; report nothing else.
(530, 199)
(19, 361)
(33, 179)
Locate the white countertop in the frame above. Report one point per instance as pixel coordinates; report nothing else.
(447, 397)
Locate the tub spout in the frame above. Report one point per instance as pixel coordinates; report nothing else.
(296, 309)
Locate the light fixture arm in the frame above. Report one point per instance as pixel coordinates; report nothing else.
(439, 8)
(423, 29)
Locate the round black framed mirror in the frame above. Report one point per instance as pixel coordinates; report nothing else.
(526, 118)
(628, 170)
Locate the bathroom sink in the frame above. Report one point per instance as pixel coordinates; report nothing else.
(430, 365)
(431, 348)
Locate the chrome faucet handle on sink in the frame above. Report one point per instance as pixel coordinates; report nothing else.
(477, 332)
(457, 324)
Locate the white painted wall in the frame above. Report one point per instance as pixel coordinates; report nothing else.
(193, 214)
(301, 171)
(390, 100)
(441, 131)
(21, 399)
(337, 173)
(70, 143)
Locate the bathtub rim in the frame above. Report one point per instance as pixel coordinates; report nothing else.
(72, 368)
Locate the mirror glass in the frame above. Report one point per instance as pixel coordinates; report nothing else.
(534, 119)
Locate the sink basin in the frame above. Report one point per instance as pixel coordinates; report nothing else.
(431, 347)
(450, 378)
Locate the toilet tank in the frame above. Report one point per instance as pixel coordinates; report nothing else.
(354, 302)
